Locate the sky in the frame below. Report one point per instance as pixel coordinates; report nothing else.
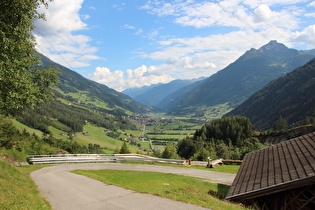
(132, 43)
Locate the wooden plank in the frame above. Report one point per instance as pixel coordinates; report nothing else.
(311, 141)
(243, 175)
(290, 163)
(271, 167)
(277, 166)
(303, 167)
(265, 167)
(309, 153)
(252, 176)
(259, 172)
(296, 159)
(284, 159)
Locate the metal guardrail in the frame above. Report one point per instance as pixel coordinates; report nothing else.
(97, 158)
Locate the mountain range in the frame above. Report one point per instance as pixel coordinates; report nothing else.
(291, 97)
(155, 94)
(233, 84)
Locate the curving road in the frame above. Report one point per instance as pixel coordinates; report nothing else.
(65, 190)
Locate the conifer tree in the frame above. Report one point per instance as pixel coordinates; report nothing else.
(124, 149)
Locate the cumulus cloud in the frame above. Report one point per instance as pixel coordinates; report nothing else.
(55, 37)
(262, 13)
(250, 23)
(201, 50)
(306, 37)
(121, 80)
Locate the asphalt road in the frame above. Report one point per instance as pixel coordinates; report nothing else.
(65, 190)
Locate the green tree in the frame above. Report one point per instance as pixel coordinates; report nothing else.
(222, 150)
(186, 148)
(229, 128)
(124, 149)
(280, 124)
(202, 155)
(22, 82)
(170, 151)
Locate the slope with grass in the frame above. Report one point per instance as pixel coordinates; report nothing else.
(96, 135)
(18, 191)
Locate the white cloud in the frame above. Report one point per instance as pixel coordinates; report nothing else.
(121, 80)
(85, 16)
(55, 36)
(249, 24)
(262, 13)
(306, 37)
(179, 48)
(256, 3)
(128, 26)
(310, 15)
(139, 31)
(226, 13)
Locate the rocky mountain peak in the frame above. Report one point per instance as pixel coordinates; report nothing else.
(274, 48)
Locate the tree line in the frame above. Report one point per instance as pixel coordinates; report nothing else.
(229, 137)
(69, 118)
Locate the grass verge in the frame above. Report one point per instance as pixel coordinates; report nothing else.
(232, 169)
(17, 189)
(182, 188)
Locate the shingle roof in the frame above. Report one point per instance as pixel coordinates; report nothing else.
(286, 165)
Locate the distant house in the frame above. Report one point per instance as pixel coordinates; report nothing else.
(141, 138)
(71, 134)
(278, 177)
(131, 140)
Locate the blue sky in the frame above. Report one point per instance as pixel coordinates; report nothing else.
(132, 43)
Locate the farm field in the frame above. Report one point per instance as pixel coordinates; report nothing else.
(157, 130)
(169, 131)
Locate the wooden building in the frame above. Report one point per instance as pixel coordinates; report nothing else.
(278, 177)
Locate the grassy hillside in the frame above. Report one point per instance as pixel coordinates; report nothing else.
(18, 191)
(96, 135)
(21, 127)
(91, 94)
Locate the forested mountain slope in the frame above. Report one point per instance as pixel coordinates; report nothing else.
(78, 101)
(291, 98)
(248, 74)
(93, 94)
